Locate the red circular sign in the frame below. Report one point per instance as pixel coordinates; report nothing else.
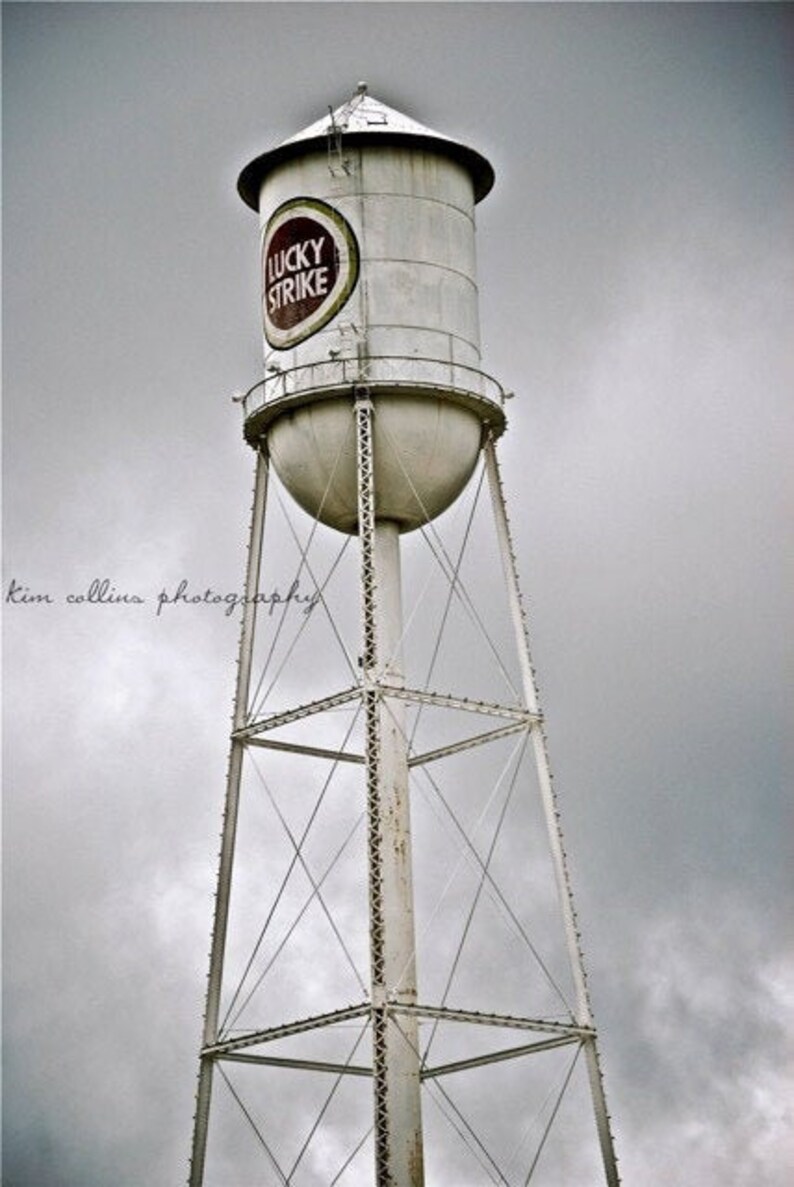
(301, 267)
(309, 268)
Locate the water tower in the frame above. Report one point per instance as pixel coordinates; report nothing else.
(374, 415)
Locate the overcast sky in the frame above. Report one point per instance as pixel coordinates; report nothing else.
(635, 268)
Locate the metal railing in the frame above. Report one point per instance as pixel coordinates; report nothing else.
(376, 370)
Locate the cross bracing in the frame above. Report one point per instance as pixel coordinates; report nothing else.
(314, 752)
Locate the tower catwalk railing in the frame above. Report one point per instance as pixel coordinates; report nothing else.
(393, 371)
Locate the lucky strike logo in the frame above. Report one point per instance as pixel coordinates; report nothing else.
(301, 268)
(309, 268)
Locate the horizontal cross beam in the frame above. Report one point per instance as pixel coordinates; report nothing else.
(288, 1029)
(306, 1065)
(464, 1065)
(309, 751)
(446, 1014)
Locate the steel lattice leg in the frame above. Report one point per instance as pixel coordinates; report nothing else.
(229, 831)
(551, 814)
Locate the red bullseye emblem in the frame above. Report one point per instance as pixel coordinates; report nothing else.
(309, 269)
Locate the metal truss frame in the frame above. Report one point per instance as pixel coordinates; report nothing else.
(375, 691)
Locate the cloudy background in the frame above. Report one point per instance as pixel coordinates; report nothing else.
(635, 271)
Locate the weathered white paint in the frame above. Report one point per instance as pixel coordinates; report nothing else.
(408, 331)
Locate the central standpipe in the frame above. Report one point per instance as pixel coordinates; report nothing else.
(395, 1042)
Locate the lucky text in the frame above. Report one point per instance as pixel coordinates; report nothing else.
(295, 273)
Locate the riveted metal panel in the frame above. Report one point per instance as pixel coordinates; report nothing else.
(412, 215)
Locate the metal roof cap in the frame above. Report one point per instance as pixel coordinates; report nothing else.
(364, 120)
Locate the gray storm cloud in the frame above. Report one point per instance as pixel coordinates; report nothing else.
(635, 283)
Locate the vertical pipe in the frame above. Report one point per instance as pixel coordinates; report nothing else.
(548, 798)
(229, 831)
(399, 964)
(396, 1061)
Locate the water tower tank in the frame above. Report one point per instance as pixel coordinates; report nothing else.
(369, 282)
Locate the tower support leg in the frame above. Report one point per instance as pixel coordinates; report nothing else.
(229, 831)
(396, 1059)
(551, 815)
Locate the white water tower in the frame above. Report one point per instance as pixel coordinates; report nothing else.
(374, 414)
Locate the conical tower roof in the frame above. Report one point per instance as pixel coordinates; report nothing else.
(363, 120)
